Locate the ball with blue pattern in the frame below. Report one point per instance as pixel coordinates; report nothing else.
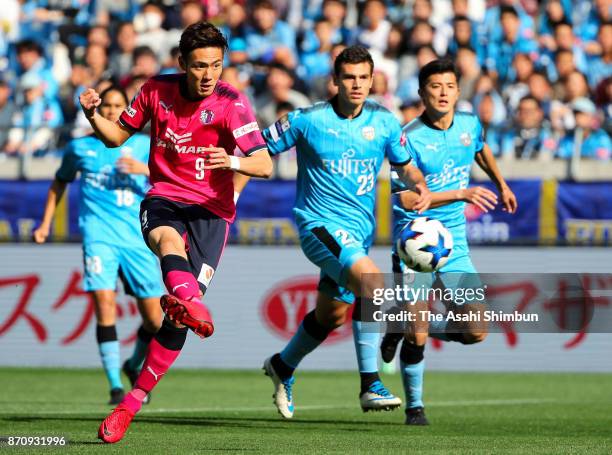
(424, 244)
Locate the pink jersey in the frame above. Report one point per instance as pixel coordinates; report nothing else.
(181, 128)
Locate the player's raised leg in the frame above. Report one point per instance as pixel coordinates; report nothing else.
(183, 305)
(364, 277)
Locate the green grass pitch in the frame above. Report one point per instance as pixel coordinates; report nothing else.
(204, 411)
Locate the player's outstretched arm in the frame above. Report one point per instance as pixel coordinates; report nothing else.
(414, 180)
(111, 133)
(258, 164)
(54, 196)
(487, 163)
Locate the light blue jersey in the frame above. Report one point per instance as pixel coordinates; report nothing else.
(338, 163)
(109, 208)
(445, 157)
(109, 200)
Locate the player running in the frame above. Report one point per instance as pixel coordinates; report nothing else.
(340, 145)
(185, 216)
(444, 144)
(113, 182)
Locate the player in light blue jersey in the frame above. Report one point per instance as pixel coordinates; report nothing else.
(340, 147)
(444, 144)
(113, 182)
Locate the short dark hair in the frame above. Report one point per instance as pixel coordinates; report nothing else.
(141, 51)
(461, 18)
(199, 35)
(115, 88)
(439, 66)
(353, 55)
(530, 97)
(28, 45)
(508, 9)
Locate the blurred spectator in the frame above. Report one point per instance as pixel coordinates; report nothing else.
(514, 91)
(279, 89)
(31, 61)
(463, 35)
(121, 57)
(35, 119)
(603, 99)
(529, 136)
(600, 12)
(270, 39)
(575, 86)
(491, 32)
(334, 12)
(553, 12)
(564, 40)
(317, 64)
(374, 30)
(564, 66)
(408, 89)
(148, 24)
(410, 110)
(172, 64)
(96, 60)
(540, 89)
(235, 31)
(98, 34)
(469, 70)
(381, 94)
(7, 111)
(191, 11)
(489, 106)
(600, 63)
(501, 53)
(586, 141)
(239, 80)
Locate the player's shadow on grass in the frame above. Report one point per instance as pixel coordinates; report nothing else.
(237, 422)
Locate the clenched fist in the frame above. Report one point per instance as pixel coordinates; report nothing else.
(90, 100)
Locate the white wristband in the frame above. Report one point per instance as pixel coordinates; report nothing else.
(236, 196)
(234, 162)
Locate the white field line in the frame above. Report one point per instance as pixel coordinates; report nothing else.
(146, 411)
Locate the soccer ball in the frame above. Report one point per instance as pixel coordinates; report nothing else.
(424, 245)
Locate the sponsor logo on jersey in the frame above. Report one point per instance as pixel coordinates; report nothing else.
(368, 133)
(206, 117)
(279, 127)
(178, 138)
(450, 174)
(130, 111)
(348, 165)
(403, 140)
(333, 132)
(165, 106)
(286, 304)
(245, 129)
(465, 139)
(206, 274)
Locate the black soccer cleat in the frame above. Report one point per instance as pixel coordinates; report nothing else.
(116, 396)
(133, 376)
(388, 346)
(416, 416)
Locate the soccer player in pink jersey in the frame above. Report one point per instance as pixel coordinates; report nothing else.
(195, 121)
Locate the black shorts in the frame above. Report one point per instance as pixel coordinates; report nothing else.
(204, 233)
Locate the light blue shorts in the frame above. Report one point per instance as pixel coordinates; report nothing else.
(137, 267)
(334, 250)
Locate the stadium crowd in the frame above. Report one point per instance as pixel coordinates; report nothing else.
(539, 74)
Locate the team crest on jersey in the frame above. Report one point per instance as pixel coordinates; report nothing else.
(465, 139)
(206, 117)
(368, 133)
